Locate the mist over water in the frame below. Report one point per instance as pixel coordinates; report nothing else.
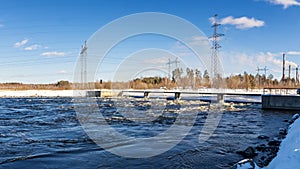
(45, 133)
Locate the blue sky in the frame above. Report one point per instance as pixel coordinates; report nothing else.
(40, 40)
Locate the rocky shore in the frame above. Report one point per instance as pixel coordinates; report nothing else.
(261, 155)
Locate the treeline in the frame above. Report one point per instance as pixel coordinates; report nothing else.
(195, 79)
(249, 81)
(61, 85)
(188, 79)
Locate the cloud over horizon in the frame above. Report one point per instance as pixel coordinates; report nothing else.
(273, 61)
(242, 22)
(293, 53)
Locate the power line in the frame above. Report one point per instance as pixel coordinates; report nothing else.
(262, 69)
(176, 62)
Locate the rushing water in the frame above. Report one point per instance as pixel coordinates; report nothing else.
(45, 133)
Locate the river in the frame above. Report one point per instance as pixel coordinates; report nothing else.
(46, 133)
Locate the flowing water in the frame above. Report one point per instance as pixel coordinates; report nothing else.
(46, 133)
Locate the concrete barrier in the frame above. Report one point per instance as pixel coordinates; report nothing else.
(285, 102)
(102, 93)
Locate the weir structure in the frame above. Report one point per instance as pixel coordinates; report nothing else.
(177, 94)
(268, 101)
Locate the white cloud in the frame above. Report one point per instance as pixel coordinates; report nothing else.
(265, 58)
(62, 72)
(212, 20)
(161, 60)
(32, 47)
(183, 50)
(21, 43)
(242, 58)
(192, 42)
(242, 22)
(245, 62)
(199, 41)
(293, 64)
(53, 53)
(293, 53)
(285, 3)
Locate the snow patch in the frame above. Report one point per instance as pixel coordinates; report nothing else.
(288, 156)
(246, 164)
(36, 93)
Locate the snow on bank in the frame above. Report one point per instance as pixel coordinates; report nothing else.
(246, 164)
(36, 93)
(288, 156)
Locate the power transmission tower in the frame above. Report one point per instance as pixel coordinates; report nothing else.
(215, 49)
(176, 62)
(262, 69)
(83, 59)
(265, 73)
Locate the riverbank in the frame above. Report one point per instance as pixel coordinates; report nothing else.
(289, 150)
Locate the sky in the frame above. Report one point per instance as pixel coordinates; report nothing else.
(40, 41)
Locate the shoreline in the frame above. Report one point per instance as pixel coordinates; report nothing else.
(36, 93)
(286, 154)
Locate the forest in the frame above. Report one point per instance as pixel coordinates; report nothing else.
(194, 79)
(182, 79)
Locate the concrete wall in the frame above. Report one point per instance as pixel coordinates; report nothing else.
(287, 102)
(102, 93)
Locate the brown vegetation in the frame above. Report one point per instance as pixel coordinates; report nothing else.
(61, 85)
(191, 79)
